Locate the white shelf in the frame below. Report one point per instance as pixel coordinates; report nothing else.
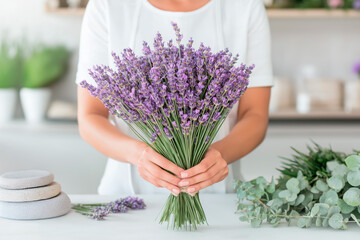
(312, 13)
(315, 115)
(272, 13)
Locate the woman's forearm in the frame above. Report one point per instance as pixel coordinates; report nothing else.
(107, 139)
(246, 135)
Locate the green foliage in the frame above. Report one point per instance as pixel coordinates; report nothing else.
(10, 65)
(313, 164)
(310, 3)
(44, 66)
(330, 199)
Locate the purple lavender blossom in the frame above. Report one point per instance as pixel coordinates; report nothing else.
(99, 213)
(356, 68)
(356, 4)
(132, 203)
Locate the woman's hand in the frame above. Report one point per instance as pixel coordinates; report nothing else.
(212, 169)
(152, 167)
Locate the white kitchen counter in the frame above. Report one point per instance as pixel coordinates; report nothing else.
(142, 224)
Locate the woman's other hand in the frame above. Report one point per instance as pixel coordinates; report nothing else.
(212, 169)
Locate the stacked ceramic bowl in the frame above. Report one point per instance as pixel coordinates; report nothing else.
(31, 194)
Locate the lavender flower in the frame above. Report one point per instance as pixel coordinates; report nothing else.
(356, 4)
(356, 68)
(133, 203)
(175, 98)
(99, 211)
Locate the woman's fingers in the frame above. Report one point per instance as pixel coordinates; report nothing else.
(192, 189)
(202, 167)
(210, 173)
(159, 173)
(148, 176)
(162, 162)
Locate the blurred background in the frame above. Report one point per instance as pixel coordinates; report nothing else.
(316, 97)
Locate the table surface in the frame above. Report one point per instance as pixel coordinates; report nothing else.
(143, 224)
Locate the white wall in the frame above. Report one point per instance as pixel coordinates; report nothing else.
(332, 45)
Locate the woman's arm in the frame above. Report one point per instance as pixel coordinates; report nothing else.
(248, 133)
(96, 129)
(250, 129)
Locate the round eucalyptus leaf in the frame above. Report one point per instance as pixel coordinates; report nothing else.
(333, 210)
(336, 182)
(314, 190)
(308, 198)
(261, 181)
(294, 213)
(331, 165)
(321, 185)
(293, 185)
(336, 221)
(323, 209)
(299, 199)
(315, 210)
(353, 162)
(353, 177)
(344, 207)
(292, 197)
(302, 222)
(284, 194)
(331, 197)
(241, 194)
(352, 197)
(271, 187)
(341, 170)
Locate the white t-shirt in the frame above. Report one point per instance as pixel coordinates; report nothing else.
(112, 25)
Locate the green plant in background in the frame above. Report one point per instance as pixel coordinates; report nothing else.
(328, 199)
(10, 65)
(310, 3)
(44, 66)
(313, 164)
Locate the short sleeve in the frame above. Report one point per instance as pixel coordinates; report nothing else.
(93, 40)
(259, 46)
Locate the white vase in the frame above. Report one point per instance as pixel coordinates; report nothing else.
(35, 103)
(352, 96)
(7, 104)
(74, 4)
(53, 4)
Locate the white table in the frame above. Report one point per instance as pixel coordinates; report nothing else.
(142, 224)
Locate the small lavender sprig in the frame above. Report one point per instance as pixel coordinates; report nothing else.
(98, 211)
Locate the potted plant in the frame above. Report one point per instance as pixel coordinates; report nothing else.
(44, 66)
(352, 91)
(10, 73)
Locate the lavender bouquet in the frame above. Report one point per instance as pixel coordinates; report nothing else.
(174, 98)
